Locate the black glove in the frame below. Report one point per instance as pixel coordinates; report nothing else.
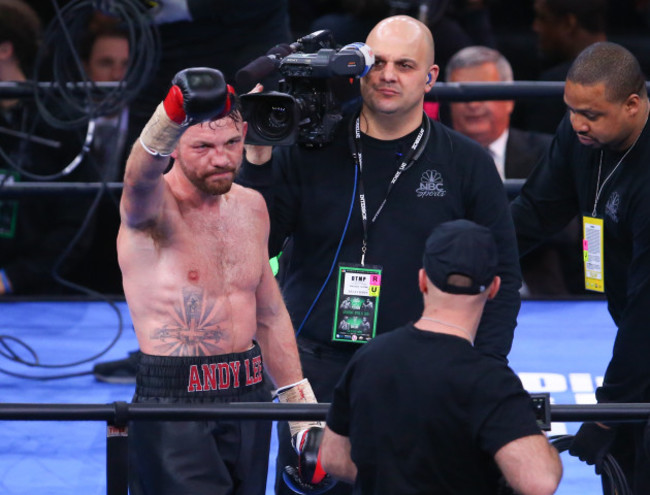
(309, 477)
(592, 443)
(197, 95)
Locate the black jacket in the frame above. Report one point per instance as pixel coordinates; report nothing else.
(565, 185)
(309, 193)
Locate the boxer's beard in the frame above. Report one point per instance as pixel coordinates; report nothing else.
(206, 184)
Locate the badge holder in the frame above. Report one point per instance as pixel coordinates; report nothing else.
(592, 249)
(357, 303)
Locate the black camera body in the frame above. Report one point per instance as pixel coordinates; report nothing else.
(306, 109)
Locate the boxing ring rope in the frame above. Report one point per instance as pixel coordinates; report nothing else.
(441, 91)
(17, 190)
(118, 414)
(26, 89)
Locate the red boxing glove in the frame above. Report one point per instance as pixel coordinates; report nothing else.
(198, 94)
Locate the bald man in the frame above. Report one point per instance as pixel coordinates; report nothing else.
(359, 211)
(472, 412)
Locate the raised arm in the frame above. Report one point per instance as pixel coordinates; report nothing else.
(196, 95)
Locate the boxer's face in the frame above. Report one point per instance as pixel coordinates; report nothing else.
(210, 154)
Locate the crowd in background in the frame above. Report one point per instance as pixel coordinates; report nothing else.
(561, 154)
(538, 38)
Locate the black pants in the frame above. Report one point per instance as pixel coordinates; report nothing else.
(216, 457)
(323, 367)
(631, 455)
(200, 458)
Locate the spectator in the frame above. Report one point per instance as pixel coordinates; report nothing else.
(555, 268)
(105, 53)
(515, 152)
(35, 232)
(564, 28)
(465, 411)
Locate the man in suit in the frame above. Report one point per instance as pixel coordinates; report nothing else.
(515, 153)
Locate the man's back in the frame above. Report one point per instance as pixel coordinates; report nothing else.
(459, 407)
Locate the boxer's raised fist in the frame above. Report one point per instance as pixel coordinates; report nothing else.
(197, 95)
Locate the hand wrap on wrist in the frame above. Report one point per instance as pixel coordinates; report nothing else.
(297, 393)
(160, 134)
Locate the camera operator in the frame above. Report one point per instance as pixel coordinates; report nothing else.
(360, 209)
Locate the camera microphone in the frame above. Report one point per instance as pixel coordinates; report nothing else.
(262, 66)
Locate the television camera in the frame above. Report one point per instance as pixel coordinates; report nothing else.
(306, 109)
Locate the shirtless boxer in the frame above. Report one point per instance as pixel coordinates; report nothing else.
(192, 247)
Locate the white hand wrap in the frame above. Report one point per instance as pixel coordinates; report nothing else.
(297, 393)
(160, 135)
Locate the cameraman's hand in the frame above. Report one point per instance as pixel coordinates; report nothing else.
(256, 154)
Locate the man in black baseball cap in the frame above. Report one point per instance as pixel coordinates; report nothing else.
(460, 257)
(463, 418)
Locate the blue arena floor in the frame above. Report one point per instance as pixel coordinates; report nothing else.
(561, 347)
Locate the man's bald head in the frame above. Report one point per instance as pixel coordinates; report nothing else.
(406, 28)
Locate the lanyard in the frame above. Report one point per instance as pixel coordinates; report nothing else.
(418, 146)
(599, 186)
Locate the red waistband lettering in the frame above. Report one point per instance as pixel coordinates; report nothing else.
(256, 375)
(223, 376)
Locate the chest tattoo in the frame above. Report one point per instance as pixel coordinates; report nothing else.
(195, 328)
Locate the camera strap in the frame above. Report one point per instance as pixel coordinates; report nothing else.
(416, 149)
